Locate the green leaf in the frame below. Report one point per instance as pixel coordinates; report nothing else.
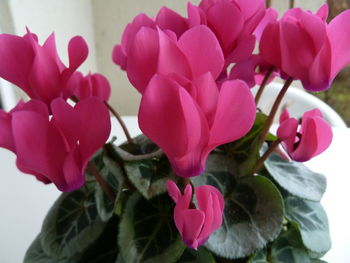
(113, 175)
(245, 151)
(296, 178)
(202, 255)
(149, 176)
(105, 249)
(312, 222)
(253, 213)
(36, 254)
(72, 224)
(147, 232)
(287, 248)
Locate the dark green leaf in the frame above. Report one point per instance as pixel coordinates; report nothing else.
(253, 214)
(287, 248)
(36, 254)
(149, 176)
(202, 255)
(72, 224)
(147, 232)
(311, 219)
(105, 249)
(245, 151)
(296, 178)
(113, 175)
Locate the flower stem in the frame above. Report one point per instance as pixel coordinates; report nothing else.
(263, 85)
(273, 111)
(126, 156)
(105, 187)
(121, 122)
(263, 158)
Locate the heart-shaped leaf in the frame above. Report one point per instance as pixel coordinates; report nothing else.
(147, 233)
(296, 178)
(72, 224)
(312, 222)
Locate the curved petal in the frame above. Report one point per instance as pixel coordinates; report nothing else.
(226, 21)
(190, 226)
(100, 86)
(119, 57)
(196, 15)
(243, 50)
(308, 143)
(30, 136)
(339, 37)
(270, 16)
(270, 48)
(169, 19)
(50, 47)
(143, 60)
(202, 50)
(287, 132)
(206, 95)
(77, 51)
(95, 126)
(173, 191)
(73, 173)
(235, 113)
(171, 59)
(322, 12)
(16, 56)
(170, 118)
(66, 120)
(131, 30)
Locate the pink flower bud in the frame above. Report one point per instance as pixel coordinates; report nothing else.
(313, 137)
(197, 224)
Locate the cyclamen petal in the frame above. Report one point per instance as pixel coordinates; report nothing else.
(197, 224)
(56, 149)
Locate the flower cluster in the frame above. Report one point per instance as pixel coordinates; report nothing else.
(52, 140)
(194, 74)
(191, 102)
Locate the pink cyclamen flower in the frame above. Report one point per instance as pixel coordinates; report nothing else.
(155, 51)
(313, 137)
(321, 50)
(197, 224)
(166, 19)
(55, 149)
(234, 23)
(187, 121)
(91, 85)
(36, 68)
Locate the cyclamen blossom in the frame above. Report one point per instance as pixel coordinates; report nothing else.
(91, 85)
(55, 149)
(196, 52)
(197, 224)
(187, 121)
(36, 68)
(234, 24)
(322, 49)
(314, 136)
